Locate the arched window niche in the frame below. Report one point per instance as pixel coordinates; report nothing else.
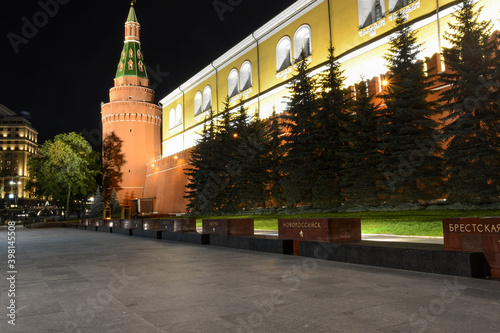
(233, 83)
(207, 98)
(198, 100)
(171, 119)
(302, 43)
(283, 54)
(246, 76)
(178, 115)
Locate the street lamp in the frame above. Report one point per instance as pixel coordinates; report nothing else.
(14, 184)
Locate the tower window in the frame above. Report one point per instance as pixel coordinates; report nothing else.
(283, 54)
(246, 76)
(233, 82)
(302, 43)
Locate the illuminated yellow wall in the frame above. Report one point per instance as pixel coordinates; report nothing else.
(360, 52)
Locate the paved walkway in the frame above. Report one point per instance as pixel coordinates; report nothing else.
(72, 280)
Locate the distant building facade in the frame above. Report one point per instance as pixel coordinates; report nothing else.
(18, 142)
(259, 69)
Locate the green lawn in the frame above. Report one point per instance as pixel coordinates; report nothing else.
(415, 223)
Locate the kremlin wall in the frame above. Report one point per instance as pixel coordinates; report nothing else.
(257, 70)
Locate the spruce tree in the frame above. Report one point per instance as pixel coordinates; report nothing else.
(330, 134)
(97, 207)
(408, 129)
(298, 167)
(472, 109)
(113, 160)
(201, 188)
(224, 166)
(275, 159)
(236, 191)
(361, 181)
(116, 208)
(257, 163)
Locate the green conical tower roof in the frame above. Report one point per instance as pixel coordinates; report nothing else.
(131, 15)
(132, 60)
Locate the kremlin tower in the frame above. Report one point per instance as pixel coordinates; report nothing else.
(132, 115)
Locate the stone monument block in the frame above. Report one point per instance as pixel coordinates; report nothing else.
(138, 224)
(113, 223)
(126, 224)
(321, 229)
(151, 224)
(178, 225)
(475, 234)
(228, 227)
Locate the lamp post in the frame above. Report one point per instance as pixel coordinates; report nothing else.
(14, 188)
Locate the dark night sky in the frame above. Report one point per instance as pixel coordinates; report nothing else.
(65, 70)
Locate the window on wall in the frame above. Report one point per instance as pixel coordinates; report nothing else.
(171, 118)
(246, 76)
(197, 103)
(207, 98)
(283, 54)
(178, 115)
(302, 43)
(232, 83)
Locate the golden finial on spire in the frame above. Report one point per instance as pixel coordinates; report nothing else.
(133, 3)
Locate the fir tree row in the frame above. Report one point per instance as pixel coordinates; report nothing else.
(331, 149)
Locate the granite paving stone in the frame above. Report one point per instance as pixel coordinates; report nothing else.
(74, 281)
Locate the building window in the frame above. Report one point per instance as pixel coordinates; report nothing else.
(302, 43)
(283, 54)
(207, 98)
(246, 76)
(233, 83)
(198, 103)
(370, 11)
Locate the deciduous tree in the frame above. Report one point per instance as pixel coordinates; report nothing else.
(67, 169)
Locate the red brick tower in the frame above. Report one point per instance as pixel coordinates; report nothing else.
(131, 113)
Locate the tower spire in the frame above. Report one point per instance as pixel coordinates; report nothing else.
(132, 61)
